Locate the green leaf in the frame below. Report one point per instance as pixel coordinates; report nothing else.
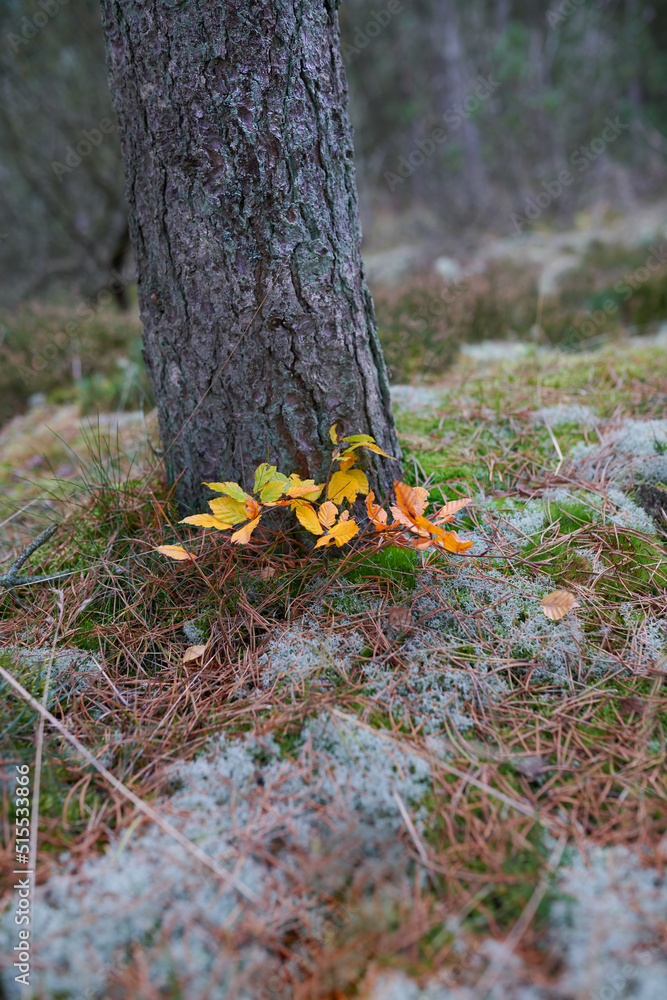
(229, 490)
(272, 491)
(264, 473)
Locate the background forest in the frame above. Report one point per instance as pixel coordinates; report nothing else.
(465, 117)
(560, 72)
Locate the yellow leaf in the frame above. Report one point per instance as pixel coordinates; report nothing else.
(272, 491)
(360, 439)
(366, 441)
(376, 448)
(328, 513)
(340, 534)
(229, 490)
(308, 519)
(264, 473)
(193, 653)
(557, 604)
(333, 434)
(242, 536)
(205, 521)
(175, 552)
(227, 510)
(347, 461)
(347, 485)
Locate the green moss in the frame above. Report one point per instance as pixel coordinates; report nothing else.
(389, 563)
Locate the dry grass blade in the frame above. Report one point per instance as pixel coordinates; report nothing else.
(490, 977)
(39, 744)
(127, 793)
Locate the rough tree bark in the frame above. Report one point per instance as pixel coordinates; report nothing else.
(239, 168)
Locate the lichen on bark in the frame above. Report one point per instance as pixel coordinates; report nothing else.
(259, 330)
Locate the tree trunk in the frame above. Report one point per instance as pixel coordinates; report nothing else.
(239, 168)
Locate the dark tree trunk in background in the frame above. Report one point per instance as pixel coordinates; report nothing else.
(454, 57)
(239, 168)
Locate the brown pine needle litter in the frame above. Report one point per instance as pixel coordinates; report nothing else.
(538, 736)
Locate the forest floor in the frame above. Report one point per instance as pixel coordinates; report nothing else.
(408, 782)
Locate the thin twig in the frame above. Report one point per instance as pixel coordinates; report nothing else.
(142, 806)
(12, 578)
(39, 744)
(490, 978)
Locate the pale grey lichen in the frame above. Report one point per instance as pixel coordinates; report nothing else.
(71, 671)
(194, 634)
(336, 803)
(605, 928)
(306, 649)
(566, 414)
(633, 452)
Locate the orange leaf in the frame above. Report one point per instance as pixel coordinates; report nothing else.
(557, 604)
(377, 515)
(452, 543)
(447, 512)
(242, 536)
(411, 502)
(252, 508)
(302, 488)
(205, 521)
(424, 525)
(175, 552)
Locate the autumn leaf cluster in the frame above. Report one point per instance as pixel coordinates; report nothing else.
(241, 512)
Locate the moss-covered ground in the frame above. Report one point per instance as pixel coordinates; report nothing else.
(534, 732)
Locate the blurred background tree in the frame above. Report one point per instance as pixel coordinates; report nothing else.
(557, 73)
(63, 227)
(561, 71)
(560, 76)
